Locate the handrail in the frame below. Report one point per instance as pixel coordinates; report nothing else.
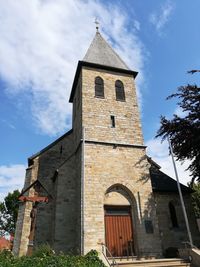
(188, 248)
(188, 243)
(105, 250)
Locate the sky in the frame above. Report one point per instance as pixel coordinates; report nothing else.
(41, 42)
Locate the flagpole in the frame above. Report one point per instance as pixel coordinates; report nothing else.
(180, 194)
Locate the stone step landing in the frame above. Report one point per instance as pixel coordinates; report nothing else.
(153, 263)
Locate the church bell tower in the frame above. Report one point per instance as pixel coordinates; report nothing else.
(116, 187)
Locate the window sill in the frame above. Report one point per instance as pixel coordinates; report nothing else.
(120, 100)
(176, 229)
(102, 97)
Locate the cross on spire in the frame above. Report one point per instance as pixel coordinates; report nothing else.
(97, 24)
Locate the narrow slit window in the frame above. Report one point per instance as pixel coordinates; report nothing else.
(119, 90)
(173, 216)
(112, 118)
(99, 87)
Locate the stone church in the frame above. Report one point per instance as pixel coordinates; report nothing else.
(95, 184)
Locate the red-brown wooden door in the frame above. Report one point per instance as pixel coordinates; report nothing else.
(119, 231)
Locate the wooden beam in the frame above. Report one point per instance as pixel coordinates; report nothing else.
(33, 199)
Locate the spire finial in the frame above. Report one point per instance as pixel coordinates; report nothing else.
(97, 24)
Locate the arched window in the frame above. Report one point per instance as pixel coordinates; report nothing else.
(99, 87)
(173, 216)
(119, 90)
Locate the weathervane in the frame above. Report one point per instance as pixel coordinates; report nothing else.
(97, 24)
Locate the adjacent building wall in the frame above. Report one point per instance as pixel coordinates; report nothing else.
(58, 221)
(22, 231)
(175, 236)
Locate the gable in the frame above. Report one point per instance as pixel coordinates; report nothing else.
(30, 159)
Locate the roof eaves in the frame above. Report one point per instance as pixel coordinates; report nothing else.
(32, 184)
(49, 146)
(151, 161)
(189, 191)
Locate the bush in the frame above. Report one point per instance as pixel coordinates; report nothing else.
(44, 256)
(43, 251)
(171, 252)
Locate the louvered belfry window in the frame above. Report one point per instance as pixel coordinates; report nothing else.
(99, 87)
(119, 89)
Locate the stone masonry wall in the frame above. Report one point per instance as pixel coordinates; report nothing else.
(97, 111)
(49, 162)
(67, 212)
(57, 221)
(77, 112)
(22, 231)
(105, 166)
(173, 237)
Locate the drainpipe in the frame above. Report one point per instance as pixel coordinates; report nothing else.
(82, 189)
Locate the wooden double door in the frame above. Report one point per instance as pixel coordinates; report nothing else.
(119, 231)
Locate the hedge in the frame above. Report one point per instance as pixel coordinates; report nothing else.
(47, 258)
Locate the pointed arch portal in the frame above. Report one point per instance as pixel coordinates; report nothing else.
(119, 232)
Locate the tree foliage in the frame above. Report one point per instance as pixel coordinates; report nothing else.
(184, 132)
(196, 198)
(8, 213)
(44, 257)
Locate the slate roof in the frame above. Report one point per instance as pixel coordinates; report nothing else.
(100, 52)
(161, 182)
(48, 147)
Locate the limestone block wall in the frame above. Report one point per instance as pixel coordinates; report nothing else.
(22, 231)
(49, 162)
(173, 237)
(105, 166)
(67, 210)
(77, 112)
(97, 111)
(57, 221)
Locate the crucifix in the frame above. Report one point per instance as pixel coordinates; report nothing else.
(39, 195)
(97, 24)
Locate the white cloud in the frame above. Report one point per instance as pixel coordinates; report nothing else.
(159, 153)
(136, 25)
(180, 113)
(160, 19)
(8, 124)
(11, 178)
(41, 42)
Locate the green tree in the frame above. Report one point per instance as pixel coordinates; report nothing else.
(8, 213)
(196, 198)
(184, 132)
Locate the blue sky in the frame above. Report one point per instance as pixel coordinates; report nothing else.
(40, 44)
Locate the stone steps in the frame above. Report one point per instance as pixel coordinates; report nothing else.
(153, 263)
